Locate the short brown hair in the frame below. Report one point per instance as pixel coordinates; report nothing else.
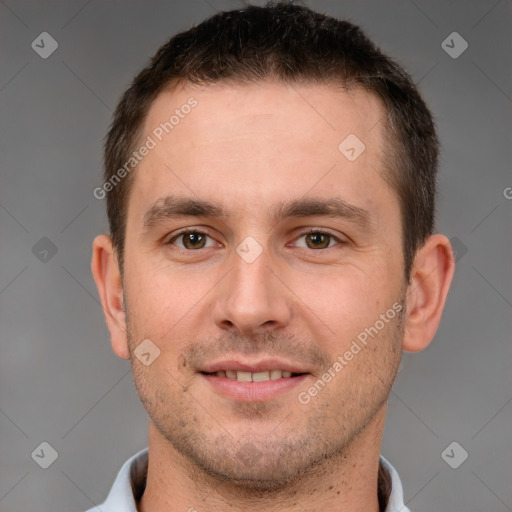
(292, 44)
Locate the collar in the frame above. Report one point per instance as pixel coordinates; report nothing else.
(130, 483)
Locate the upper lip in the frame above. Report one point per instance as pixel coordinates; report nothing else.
(261, 365)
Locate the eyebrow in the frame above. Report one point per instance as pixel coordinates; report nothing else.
(171, 207)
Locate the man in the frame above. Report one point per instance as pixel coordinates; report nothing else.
(270, 183)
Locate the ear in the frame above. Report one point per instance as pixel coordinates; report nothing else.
(431, 277)
(106, 273)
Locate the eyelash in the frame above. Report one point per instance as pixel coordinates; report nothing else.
(305, 233)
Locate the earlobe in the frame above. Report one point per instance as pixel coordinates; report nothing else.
(431, 277)
(106, 274)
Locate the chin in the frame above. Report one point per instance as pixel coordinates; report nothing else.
(256, 465)
(264, 476)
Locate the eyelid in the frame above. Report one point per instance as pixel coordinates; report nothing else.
(186, 231)
(321, 231)
(310, 230)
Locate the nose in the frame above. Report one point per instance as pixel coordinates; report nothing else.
(252, 299)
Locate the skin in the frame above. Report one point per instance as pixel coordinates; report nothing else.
(248, 148)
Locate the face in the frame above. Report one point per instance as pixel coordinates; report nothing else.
(266, 265)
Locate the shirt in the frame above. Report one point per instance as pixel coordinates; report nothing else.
(130, 484)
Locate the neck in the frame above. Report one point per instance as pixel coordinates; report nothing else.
(348, 481)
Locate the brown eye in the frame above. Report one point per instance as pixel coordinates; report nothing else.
(318, 240)
(190, 240)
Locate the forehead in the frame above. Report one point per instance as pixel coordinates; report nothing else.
(308, 114)
(267, 141)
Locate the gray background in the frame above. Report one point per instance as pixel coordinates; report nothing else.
(59, 380)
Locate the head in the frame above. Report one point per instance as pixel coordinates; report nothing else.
(293, 45)
(305, 161)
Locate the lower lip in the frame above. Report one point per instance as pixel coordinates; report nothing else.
(253, 391)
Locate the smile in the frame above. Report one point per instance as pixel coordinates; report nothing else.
(243, 376)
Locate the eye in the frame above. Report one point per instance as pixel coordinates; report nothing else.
(315, 239)
(191, 240)
(194, 240)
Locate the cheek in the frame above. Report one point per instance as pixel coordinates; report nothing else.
(349, 298)
(162, 294)
(168, 307)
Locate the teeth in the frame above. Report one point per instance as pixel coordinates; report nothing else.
(244, 376)
(276, 374)
(254, 377)
(260, 376)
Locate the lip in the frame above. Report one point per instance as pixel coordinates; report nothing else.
(261, 365)
(252, 391)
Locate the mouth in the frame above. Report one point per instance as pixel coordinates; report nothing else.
(243, 382)
(244, 376)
